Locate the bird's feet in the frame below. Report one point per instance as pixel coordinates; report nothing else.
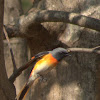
(43, 79)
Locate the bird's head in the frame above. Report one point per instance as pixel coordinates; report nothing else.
(59, 53)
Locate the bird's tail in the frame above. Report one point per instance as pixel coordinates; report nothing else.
(22, 94)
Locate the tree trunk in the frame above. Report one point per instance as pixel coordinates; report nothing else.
(7, 90)
(13, 10)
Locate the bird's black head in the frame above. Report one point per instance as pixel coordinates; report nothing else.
(59, 53)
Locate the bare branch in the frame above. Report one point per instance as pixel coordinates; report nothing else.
(11, 51)
(22, 68)
(60, 16)
(86, 50)
(19, 71)
(40, 16)
(98, 47)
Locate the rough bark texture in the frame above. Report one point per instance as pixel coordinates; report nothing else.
(13, 10)
(7, 90)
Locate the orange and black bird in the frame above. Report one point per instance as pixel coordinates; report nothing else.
(44, 62)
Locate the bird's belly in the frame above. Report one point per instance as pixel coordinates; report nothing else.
(44, 68)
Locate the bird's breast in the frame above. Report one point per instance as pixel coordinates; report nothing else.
(47, 63)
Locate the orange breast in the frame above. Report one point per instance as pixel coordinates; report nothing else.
(44, 63)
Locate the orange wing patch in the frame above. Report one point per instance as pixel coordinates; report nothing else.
(33, 57)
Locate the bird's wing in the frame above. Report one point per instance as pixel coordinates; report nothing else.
(39, 55)
(25, 89)
(33, 60)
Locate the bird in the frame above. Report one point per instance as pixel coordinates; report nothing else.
(44, 62)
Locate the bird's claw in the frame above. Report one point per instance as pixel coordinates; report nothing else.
(42, 79)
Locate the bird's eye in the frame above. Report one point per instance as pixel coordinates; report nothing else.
(61, 52)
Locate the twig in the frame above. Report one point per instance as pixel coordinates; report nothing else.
(86, 50)
(11, 51)
(95, 48)
(19, 71)
(22, 68)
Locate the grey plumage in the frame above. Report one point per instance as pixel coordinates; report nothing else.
(59, 53)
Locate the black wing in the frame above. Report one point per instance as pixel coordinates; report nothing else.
(41, 54)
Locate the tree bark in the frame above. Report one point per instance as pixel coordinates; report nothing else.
(13, 10)
(7, 90)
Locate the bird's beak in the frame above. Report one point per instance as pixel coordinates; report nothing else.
(68, 54)
(68, 51)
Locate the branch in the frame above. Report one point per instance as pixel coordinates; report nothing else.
(40, 16)
(60, 16)
(11, 51)
(86, 50)
(19, 71)
(22, 68)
